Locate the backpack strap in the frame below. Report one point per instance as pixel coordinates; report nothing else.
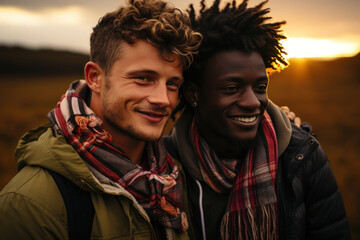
(79, 208)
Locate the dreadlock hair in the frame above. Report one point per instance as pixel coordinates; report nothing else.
(234, 28)
(154, 21)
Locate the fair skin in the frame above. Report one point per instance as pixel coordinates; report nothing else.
(135, 99)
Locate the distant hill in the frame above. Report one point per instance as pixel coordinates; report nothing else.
(23, 61)
(340, 67)
(307, 79)
(313, 86)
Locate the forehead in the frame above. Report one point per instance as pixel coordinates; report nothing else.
(234, 63)
(142, 54)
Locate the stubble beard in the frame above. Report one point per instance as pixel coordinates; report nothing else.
(135, 132)
(131, 130)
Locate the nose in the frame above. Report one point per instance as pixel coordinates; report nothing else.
(248, 99)
(159, 95)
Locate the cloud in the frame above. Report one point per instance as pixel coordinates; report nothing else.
(69, 15)
(68, 23)
(61, 28)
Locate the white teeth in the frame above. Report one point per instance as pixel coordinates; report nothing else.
(245, 119)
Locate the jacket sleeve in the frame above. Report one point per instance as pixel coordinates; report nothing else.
(326, 217)
(23, 218)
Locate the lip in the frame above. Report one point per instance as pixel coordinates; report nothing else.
(153, 117)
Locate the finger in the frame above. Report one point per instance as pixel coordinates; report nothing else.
(291, 115)
(285, 109)
(297, 121)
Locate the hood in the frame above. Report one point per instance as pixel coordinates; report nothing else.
(178, 136)
(42, 147)
(282, 126)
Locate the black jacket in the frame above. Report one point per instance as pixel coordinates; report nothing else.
(309, 202)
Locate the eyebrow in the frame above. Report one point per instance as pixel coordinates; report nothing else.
(238, 78)
(147, 71)
(263, 78)
(151, 72)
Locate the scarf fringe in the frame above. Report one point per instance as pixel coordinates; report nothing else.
(258, 223)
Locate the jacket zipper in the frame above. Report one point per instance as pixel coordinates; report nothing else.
(281, 206)
(201, 209)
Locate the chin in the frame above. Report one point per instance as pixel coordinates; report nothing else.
(147, 137)
(144, 134)
(245, 137)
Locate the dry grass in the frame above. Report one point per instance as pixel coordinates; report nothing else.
(24, 104)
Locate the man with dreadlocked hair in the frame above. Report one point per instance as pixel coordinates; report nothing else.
(251, 173)
(97, 170)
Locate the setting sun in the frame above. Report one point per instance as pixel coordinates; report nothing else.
(318, 48)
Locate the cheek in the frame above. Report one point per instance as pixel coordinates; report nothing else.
(211, 98)
(213, 108)
(221, 103)
(173, 99)
(225, 101)
(264, 100)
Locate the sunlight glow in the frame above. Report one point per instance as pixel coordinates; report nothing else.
(318, 48)
(16, 16)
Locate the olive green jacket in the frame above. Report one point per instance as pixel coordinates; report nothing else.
(31, 206)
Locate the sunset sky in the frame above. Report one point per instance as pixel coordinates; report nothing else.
(315, 28)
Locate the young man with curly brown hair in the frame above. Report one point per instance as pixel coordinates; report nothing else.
(102, 138)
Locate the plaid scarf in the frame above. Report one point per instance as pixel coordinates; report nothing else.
(159, 190)
(251, 212)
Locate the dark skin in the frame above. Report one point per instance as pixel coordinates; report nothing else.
(231, 101)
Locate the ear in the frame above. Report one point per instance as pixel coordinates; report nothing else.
(191, 93)
(93, 76)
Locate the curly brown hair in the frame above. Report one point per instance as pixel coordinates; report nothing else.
(154, 21)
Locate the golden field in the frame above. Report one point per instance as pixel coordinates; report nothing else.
(324, 93)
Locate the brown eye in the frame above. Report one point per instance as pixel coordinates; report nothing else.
(142, 78)
(261, 88)
(230, 89)
(173, 86)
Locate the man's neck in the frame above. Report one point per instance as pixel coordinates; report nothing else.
(224, 148)
(133, 148)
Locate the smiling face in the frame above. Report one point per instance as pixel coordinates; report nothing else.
(139, 93)
(232, 97)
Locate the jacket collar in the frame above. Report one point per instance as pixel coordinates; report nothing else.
(282, 126)
(42, 147)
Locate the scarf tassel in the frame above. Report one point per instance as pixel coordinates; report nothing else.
(253, 223)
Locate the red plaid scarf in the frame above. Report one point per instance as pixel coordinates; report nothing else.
(159, 190)
(252, 212)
